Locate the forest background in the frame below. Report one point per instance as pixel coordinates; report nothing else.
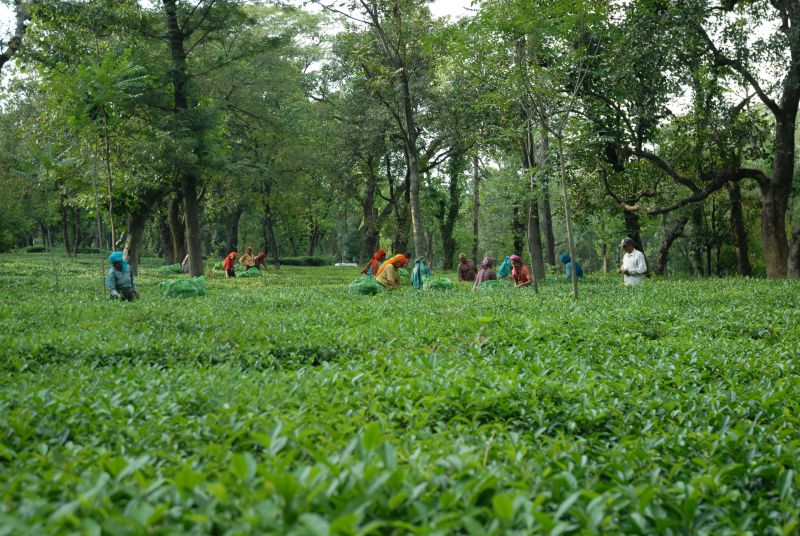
(327, 130)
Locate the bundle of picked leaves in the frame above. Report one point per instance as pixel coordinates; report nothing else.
(252, 272)
(404, 274)
(184, 288)
(366, 286)
(436, 282)
(169, 269)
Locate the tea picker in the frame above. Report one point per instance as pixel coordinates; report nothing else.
(120, 279)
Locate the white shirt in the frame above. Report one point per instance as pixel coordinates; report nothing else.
(635, 264)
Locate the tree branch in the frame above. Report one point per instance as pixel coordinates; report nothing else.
(16, 39)
(722, 60)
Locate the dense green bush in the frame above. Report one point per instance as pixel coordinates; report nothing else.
(36, 249)
(305, 261)
(287, 405)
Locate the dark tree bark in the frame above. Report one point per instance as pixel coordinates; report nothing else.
(449, 211)
(670, 235)
(64, 223)
(697, 239)
(15, 42)
(544, 201)
(76, 231)
(794, 255)
(531, 160)
(403, 221)
(314, 237)
(177, 229)
(739, 230)
(518, 229)
(137, 220)
(189, 178)
(270, 241)
(370, 214)
(476, 206)
(232, 228)
(167, 250)
(633, 229)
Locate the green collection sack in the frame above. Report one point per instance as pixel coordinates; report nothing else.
(252, 272)
(366, 286)
(169, 269)
(437, 282)
(184, 288)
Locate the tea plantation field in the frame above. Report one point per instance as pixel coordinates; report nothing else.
(286, 405)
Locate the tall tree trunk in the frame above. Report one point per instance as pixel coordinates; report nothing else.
(177, 229)
(633, 229)
(476, 205)
(531, 204)
(402, 220)
(774, 204)
(412, 163)
(15, 41)
(530, 159)
(604, 255)
(314, 238)
(567, 214)
(167, 249)
(544, 199)
(450, 214)
(64, 223)
(370, 216)
(794, 255)
(429, 248)
(110, 186)
(697, 238)
(417, 226)
(136, 224)
(232, 235)
(189, 178)
(670, 235)
(517, 229)
(535, 240)
(76, 231)
(271, 242)
(739, 230)
(137, 220)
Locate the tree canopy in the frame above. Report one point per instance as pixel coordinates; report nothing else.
(179, 127)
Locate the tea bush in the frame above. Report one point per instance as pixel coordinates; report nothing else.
(286, 404)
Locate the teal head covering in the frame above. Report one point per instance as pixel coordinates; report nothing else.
(419, 273)
(564, 258)
(117, 256)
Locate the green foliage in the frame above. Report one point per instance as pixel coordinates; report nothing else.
(184, 288)
(169, 269)
(305, 261)
(293, 407)
(365, 285)
(436, 282)
(36, 249)
(252, 272)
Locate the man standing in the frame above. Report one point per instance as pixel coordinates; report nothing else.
(633, 264)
